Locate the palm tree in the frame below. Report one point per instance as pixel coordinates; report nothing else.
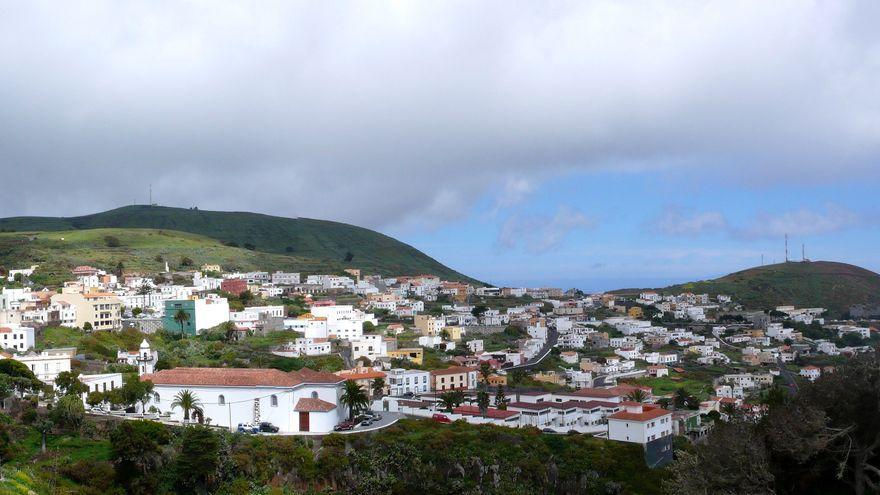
(181, 317)
(483, 402)
(501, 399)
(485, 371)
(188, 401)
(378, 386)
(682, 399)
(451, 399)
(353, 397)
(637, 395)
(729, 409)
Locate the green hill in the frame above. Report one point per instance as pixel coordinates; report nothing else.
(271, 241)
(832, 285)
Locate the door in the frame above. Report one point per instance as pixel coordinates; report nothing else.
(303, 421)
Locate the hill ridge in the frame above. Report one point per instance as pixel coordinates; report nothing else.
(830, 284)
(320, 240)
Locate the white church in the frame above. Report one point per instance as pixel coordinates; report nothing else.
(303, 401)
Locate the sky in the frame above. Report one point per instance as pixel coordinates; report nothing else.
(590, 144)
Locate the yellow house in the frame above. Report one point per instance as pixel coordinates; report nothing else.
(635, 312)
(415, 355)
(455, 333)
(101, 310)
(429, 325)
(211, 268)
(497, 380)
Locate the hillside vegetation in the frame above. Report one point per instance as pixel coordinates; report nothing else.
(832, 285)
(144, 250)
(318, 244)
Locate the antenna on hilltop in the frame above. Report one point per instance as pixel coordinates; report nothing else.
(151, 196)
(803, 253)
(786, 248)
(762, 259)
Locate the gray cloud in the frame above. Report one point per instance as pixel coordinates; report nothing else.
(389, 114)
(676, 221)
(804, 222)
(541, 233)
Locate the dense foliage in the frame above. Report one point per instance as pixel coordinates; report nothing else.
(824, 439)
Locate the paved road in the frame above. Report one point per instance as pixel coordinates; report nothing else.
(790, 381)
(552, 338)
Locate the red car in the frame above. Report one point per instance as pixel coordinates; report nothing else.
(441, 418)
(344, 426)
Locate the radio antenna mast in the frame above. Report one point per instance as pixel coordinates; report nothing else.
(786, 248)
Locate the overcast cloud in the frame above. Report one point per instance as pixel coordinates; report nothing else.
(390, 114)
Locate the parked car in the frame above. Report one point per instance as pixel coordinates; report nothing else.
(366, 422)
(441, 418)
(344, 426)
(549, 430)
(268, 428)
(248, 428)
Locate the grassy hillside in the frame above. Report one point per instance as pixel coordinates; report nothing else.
(332, 243)
(827, 284)
(144, 250)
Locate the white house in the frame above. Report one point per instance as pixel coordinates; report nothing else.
(639, 423)
(298, 401)
(811, 373)
(344, 321)
(475, 346)
(100, 383)
(304, 346)
(311, 326)
(17, 338)
(369, 346)
(47, 364)
(401, 381)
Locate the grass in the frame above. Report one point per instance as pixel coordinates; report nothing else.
(201, 351)
(140, 250)
(326, 246)
(669, 384)
(825, 284)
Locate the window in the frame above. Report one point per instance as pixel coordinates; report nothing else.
(156, 398)
(314, 395)
(221, 400)
(274, 401)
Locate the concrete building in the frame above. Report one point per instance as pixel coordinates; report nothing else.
(201, 314)
(101, 310)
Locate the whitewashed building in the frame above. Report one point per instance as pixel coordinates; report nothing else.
(298, 401)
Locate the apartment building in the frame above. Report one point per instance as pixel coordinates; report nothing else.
(101, 310)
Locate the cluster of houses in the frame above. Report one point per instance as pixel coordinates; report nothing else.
(628, 344)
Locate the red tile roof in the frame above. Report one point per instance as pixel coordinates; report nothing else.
(453, 370)
(308, 375)
(363, 375)
(490, 413)
(314, 405)
(239, 377)
(533, 406)
(605, 393)
(647, 414)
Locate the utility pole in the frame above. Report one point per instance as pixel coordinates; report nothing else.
(151, 196)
